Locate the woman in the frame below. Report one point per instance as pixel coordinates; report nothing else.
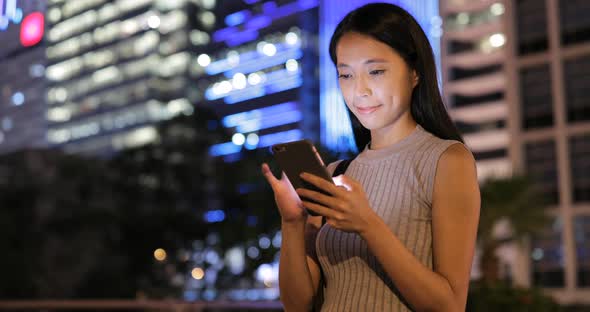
(400, 230)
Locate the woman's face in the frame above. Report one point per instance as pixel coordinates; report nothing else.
(375, 81)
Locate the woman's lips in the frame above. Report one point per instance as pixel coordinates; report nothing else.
(367, 110)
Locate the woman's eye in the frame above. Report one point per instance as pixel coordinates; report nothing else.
(344, 76)
(377, 72)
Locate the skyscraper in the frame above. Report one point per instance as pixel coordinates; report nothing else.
(516, 72)
(117, 67)
(262, 73)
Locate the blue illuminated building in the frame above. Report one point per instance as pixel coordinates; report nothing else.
(262, 74)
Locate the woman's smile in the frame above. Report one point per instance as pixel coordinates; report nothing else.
(366, 110)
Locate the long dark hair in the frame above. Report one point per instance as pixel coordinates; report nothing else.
(395, 27)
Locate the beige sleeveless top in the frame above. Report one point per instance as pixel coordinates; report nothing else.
(398, 181)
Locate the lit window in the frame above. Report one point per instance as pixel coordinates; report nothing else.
(198, 37)
(173, 21)
(57, 136)
(145, 43)
(497, 8)
(204, 60)
(153, 21)
(107, 12)
(239, 81)
(59, 114)
(104, 75)
(208, 19)
(75, 24)
(54, 15)
(497, 40)
(291, 38)
(238, 139)
(292, 65)
(208, 4)
(71, 8)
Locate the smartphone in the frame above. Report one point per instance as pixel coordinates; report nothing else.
(297, 157)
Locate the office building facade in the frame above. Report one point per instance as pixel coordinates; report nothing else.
(523, 109)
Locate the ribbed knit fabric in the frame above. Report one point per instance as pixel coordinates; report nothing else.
(398, 181)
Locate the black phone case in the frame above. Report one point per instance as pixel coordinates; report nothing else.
(297, 157)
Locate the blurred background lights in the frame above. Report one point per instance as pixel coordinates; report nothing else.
(239, 81)
(233, 58)
(291, 38)
(276, 240)
(497, 8)
(497, 40)
(235, 260)
(252, 139)
(198, 273)
(37, 70)
(264, 242)
(254, 79)
(292, 65)
(153, 21)
(18, 98)
(208, 19)
(204, 60)
(269, 49)
(214, 216)
(7, 123)
(537, 254)
(238, 139)
(225, 87)
(208, 4)
(160, 254)
(462, 18)
(267, 274)
(211, 276)
(211, 256)
(253, 252)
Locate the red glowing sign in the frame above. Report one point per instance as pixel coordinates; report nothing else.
(32, 28)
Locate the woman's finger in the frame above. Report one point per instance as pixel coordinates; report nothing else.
(320, 198)
(322, 184)
(319, 209)
(272, 180)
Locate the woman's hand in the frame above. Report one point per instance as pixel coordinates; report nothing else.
(287, 200)
(347, 209)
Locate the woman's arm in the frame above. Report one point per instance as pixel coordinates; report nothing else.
(299, 272)
(455, 215)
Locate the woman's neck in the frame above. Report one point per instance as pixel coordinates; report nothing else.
(392, 134)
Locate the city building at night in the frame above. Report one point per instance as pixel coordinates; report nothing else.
(22, 63)
(514, 74)
(261, 74)
(115, 68)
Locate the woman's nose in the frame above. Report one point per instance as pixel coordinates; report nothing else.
(362, 88)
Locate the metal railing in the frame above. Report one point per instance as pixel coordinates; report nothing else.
(139, 305)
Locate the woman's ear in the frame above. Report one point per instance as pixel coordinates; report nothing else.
(415, 79)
